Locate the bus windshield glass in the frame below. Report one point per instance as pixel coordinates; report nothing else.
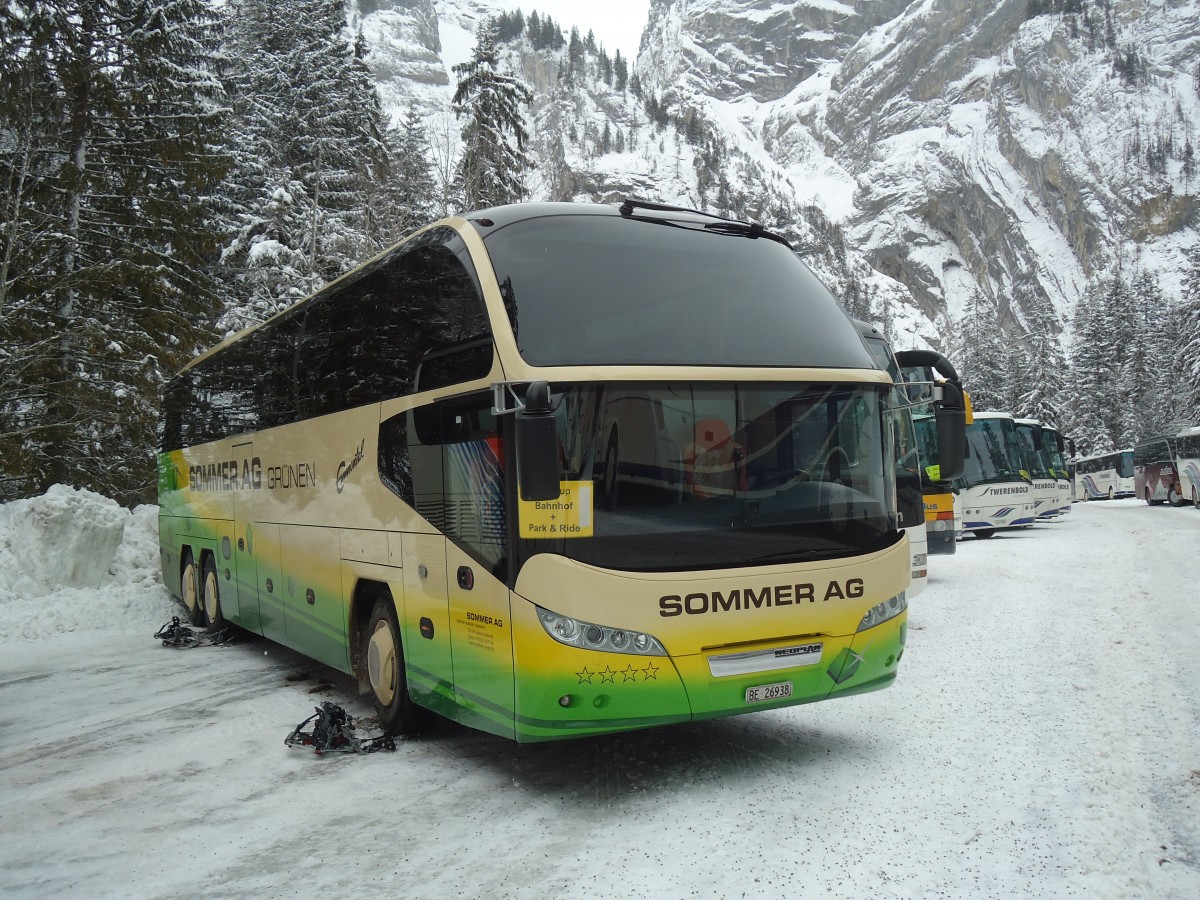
(1039, 461)
(993, 454)
(604, 290)
(709, 475)
(1125, 464)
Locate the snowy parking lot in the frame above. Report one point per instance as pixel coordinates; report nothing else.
(1043, 739)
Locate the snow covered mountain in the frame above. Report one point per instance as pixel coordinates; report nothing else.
(926, 150)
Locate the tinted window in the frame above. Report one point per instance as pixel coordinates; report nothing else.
(361, 340)
(600, 290)
(446, 460)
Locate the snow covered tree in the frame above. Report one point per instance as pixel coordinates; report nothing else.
(110, 129)
(980, 354)
(310, 150)
(1188, 323)
(494, 161)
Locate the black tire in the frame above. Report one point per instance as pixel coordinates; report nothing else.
(383, 653)
(1195, 497)
(1110, 493)
(210, 597)
(189, 589)
(984, 532)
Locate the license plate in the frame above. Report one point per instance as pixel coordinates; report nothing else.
(765, 692)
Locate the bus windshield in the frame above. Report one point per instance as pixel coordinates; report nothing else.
(1039, 461)
(707, 475)
(1124, 464)
(591, 290)
(993, 454)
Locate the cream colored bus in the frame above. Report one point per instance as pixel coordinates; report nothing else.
(551, 470)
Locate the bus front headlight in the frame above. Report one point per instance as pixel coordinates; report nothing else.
(888, 609)
(589, 636)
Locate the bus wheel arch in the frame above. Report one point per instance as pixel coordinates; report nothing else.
(381, 658)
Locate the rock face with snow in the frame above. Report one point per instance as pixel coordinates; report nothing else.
(1014, 150)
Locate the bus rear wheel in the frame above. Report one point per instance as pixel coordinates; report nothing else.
(189, 588)
(1110, 493)
(384, 654)
(1195, 497)
(210, 595)
(984, 532)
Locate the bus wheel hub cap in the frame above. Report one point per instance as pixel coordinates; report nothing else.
(381, 664)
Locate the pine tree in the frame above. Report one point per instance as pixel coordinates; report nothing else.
(980, 356)
(109, 111)
(310, 150)
(494, 160)
(1188, 318)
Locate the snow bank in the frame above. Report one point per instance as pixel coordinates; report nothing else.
(58, 550)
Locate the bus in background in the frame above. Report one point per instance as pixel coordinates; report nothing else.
(1189, 464)
(909, 501)
(1058, 448)
(923, 370)
(995, 489)
(403, 477)
(1037, 463)
(1105, 476)
(1156, 469)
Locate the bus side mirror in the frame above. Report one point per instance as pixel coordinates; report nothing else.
(538, 469)
(950, 415)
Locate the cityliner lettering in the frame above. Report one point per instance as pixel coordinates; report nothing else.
(699, 603)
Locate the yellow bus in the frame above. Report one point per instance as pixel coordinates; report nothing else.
(925, 371)
(551, 470)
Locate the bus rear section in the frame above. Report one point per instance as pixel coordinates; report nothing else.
(1156, 470)
(995, 490)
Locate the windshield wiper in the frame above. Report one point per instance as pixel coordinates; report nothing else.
(729, 226)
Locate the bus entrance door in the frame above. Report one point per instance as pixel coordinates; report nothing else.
(482, 643)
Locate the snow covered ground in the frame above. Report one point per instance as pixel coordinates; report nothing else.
(1043, 739)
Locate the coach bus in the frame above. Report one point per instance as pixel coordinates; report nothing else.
(1156, 475)
(423, 476)
(922, 371)
(1056, 447)
(996, 490)
(1037, 459)
(1104, 476)
(1188, 449)
(909, 502)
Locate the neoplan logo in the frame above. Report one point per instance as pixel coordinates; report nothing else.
(739, 599)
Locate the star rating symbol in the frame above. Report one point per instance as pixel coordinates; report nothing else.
(651, 671)
(607, 675)
(585, 675)
(629, 673)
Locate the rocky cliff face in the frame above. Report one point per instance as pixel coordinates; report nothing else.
(960, 148)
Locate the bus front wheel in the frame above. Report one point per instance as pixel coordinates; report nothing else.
(984, 532)
(1195, 497)
(1110, 493)
(189, 588)
(385, 671)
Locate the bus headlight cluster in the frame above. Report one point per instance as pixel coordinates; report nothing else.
(589, 636)
(888, 609)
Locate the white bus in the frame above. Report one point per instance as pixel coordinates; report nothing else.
(995, 489)
(1038, 464)
(552, 470)
(1056, 446)
(1188, 446)
(1105, 476)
